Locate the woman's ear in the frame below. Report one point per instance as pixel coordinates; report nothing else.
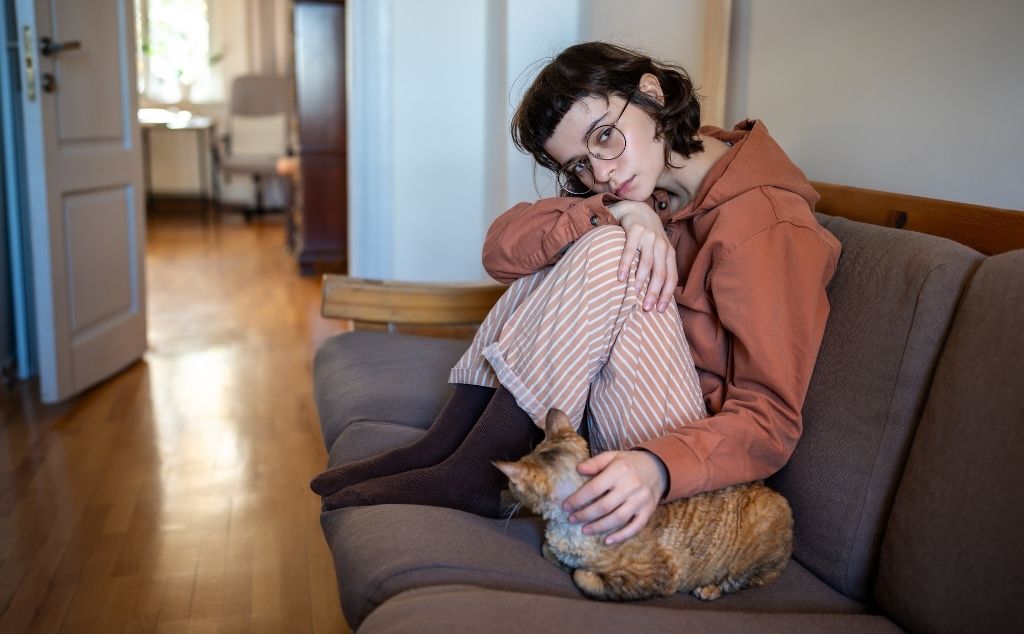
(650, 86)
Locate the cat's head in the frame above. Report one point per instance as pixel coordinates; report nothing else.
(543, 478)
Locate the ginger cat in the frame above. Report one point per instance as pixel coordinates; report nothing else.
(709, 545)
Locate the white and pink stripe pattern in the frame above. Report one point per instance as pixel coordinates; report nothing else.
(573, 333)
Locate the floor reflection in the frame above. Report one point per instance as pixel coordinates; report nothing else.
(174, 496)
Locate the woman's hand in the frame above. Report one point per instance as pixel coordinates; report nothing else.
(657, 266)
(622, 494)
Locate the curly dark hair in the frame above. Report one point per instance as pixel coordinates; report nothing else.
(600, 69)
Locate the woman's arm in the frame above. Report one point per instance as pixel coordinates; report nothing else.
(777, 321)
(530, 236)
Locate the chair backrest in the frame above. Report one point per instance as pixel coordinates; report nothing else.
(260, 115)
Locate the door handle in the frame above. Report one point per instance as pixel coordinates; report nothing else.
(49, 48)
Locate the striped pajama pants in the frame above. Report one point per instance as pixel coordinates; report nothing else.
(573, 337)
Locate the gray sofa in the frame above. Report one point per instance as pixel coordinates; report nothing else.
(906, 486)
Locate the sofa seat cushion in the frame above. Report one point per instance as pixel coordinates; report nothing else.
(380, 551)
(367, 438)
(381, 376)
(892, 297)
(952, 555)
(459, 608)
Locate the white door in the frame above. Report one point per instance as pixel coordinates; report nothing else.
(86, 207)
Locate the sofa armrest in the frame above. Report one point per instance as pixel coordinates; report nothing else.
(452, 309)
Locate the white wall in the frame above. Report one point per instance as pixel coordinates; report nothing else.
(524, 44)
(433, 84)
(430, 97)
(440, 165)
(665, 29)
(921, 97)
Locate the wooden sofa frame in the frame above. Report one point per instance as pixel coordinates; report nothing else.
(454, 310)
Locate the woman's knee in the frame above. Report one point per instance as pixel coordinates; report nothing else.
(603, 233)
(599, 248)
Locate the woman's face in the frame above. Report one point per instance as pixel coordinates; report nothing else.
(631, 175)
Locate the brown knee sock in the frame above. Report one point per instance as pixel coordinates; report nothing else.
(466, 480)
(444, 435)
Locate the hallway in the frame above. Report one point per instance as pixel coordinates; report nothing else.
(173, 498)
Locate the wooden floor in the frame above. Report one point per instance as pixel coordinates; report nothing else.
(173, 497)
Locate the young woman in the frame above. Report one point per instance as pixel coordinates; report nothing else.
(673, 297)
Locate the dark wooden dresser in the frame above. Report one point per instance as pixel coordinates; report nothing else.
(320, 213)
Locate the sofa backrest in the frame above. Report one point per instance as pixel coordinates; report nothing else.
(953, 554)
(892, 301)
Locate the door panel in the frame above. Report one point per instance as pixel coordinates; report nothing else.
(97, 226)
(88, 100)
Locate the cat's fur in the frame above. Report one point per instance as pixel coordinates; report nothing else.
(710, 544)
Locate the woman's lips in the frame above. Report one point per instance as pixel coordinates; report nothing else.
(623, 188)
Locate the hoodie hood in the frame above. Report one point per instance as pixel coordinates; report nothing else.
(755, 160)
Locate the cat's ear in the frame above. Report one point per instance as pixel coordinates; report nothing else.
(556, 421)
(513, 470)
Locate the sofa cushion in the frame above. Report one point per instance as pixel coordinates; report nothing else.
(366, 438)
(459, 608)
(381, 376)
(893, 296)
(952, 556)
(380, 551)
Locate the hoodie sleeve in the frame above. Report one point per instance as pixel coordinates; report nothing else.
(770, 295)
(528, 237)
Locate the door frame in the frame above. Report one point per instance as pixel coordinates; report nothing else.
(15, 201)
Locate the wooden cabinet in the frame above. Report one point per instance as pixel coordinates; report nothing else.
(320, 214)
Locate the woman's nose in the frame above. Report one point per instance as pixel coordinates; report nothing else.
(602, 169)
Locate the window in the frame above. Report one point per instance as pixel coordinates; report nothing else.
(175, 63)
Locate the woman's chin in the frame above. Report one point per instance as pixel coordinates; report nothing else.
(639, 194)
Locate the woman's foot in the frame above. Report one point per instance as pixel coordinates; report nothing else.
(466, 480)
(443, 437)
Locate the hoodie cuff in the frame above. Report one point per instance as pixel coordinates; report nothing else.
(687, 473)
(593, 212)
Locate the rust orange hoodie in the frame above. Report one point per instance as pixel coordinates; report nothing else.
(753, 267)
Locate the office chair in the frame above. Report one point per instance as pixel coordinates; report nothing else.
(258, 133)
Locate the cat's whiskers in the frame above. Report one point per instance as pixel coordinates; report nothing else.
(512, 513)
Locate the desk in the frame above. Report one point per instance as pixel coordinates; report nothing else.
(184, 166)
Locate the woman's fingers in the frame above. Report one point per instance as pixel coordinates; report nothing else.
(601, 505)
(646, 264)
(595, 487)
(656, 276)
(671, 280)
(595, 464)
(664, 277)
(629, 252)
(614, 519)
(632, 528)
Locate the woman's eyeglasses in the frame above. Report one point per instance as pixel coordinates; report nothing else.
(605, 142)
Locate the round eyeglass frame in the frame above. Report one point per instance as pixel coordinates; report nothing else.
(571, 183)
